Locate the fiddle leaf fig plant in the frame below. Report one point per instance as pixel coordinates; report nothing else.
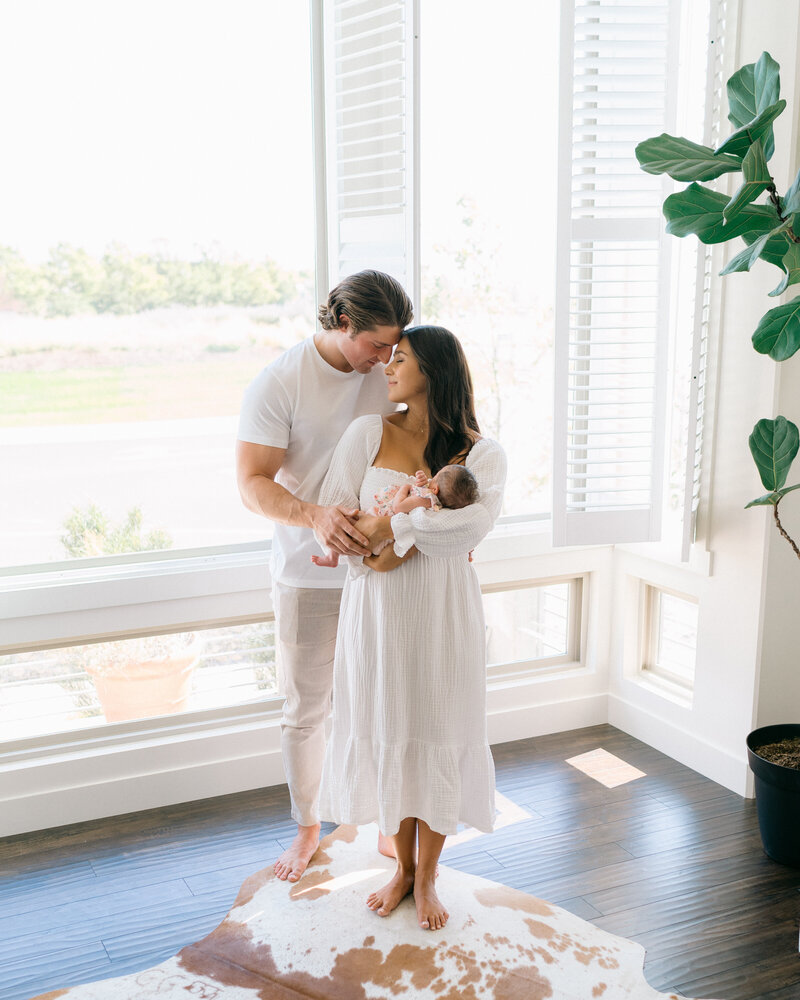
(770, 231)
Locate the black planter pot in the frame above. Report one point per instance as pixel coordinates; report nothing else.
(777, 796)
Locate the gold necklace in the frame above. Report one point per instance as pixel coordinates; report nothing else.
(422, 429)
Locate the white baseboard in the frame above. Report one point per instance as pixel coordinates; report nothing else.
(686, 747)
(105, 776)
(94, 782)
(114, 797)
(549, 717)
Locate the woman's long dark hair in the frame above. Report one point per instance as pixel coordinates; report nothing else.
(453, 426)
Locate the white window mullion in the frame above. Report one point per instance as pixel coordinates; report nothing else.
(612, 297)
(369, 110)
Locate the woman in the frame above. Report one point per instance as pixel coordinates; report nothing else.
(408, 748)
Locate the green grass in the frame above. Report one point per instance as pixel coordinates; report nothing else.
(101, 395)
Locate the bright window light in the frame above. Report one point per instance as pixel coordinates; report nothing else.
(671, 637)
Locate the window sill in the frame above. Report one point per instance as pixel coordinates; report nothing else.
(140, 734)
(681, 696)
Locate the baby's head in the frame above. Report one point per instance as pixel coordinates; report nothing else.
(455, 486)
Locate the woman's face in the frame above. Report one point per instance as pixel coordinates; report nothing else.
(406, 381)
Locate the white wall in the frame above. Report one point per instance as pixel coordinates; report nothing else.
(779, 675)
(749, 626)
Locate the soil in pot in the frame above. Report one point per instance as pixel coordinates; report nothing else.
(783, 752)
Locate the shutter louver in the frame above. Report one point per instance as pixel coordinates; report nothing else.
(697, 416)
(371, 150)
(613, 284)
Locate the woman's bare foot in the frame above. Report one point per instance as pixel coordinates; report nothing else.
(386, 846)
(431, 914)
(390, 895)
(294, 860)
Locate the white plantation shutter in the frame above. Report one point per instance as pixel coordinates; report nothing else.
(612, 299)
(707, 265)
(370, 77)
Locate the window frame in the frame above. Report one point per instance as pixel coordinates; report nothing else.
(122, 597)
(576, 629)
(649, 668)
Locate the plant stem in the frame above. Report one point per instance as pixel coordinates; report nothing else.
(774, 197)
(783, 531)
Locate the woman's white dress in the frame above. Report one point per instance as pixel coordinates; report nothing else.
(409, 713)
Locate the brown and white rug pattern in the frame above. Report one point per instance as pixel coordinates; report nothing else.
(317, 939)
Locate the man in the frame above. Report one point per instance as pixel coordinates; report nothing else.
(293, 414)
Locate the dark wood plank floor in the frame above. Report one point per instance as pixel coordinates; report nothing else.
(671, 860)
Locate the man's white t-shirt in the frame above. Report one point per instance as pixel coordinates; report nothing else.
(303, 404)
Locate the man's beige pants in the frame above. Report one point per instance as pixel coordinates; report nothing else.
(305, 634)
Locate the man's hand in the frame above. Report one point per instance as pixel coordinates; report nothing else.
(377, 529)
(386, 560)
(334, 527)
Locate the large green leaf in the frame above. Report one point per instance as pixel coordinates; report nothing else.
(771, 499)
(774, 445)
(751, 89)
(756, 180)
(740, 141)
(775, 248)
(791, 200)
(744, 261)
(791, 265)
(778, 333)
(699, 210)
(683, 160)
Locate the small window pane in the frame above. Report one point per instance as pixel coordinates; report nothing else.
(673, 637)
(677, 636)
(527, 624)
(78, 687)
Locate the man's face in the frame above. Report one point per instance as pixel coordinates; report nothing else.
(368, 347)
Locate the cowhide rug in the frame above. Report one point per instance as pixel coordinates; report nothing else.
(317, 939)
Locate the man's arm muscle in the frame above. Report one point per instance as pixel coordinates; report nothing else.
(256, 468)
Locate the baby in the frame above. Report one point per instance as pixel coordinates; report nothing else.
(453, 486)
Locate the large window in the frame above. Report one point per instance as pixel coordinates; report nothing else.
(163, 250)
(488, 182)
(156, 251)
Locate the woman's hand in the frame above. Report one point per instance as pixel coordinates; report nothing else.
(386, 559)
(375, 528)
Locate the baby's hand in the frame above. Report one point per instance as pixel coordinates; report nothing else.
(422, 479)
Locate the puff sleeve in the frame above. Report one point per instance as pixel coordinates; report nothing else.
(354, 453)
(450, 532)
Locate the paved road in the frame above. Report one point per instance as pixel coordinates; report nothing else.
(181, 473)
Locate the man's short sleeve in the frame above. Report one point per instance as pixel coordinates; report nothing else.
(266, 415)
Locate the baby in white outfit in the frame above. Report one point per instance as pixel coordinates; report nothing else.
(453, 486)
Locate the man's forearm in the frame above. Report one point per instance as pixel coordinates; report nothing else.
(264, 496)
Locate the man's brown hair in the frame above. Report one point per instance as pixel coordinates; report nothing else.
(368, 299)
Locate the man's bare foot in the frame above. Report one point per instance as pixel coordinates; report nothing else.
(386, 846)
(294, 860)
(431, 914)
(390, 895)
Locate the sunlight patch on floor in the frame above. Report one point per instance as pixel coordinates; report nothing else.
(508, 812)
(606, 768)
